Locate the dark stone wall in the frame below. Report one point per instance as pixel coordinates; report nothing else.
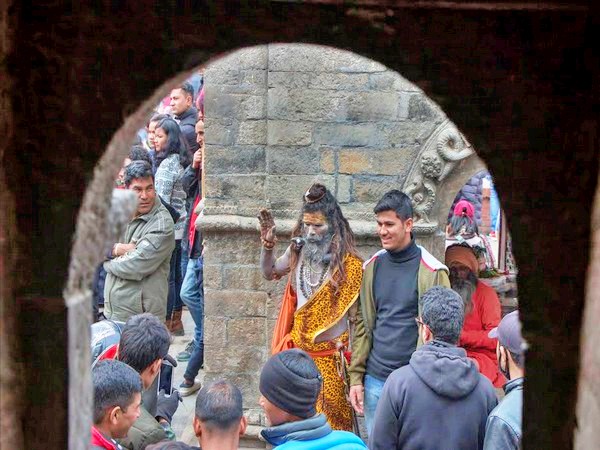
(521, 84)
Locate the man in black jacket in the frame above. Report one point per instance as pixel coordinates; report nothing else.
(439, 400)
(182, 107)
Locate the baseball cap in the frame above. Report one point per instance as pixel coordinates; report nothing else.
(508, 333)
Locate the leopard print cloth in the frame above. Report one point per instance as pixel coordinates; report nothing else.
(322, 311)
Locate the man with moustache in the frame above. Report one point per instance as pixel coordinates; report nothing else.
(325, 273)
(138, 268)
(394, 281)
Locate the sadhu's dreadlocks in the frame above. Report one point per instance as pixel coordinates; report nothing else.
(319, 199)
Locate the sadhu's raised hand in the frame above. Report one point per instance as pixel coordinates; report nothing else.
(267, 229)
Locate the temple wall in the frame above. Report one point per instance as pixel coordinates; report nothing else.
(279, 117)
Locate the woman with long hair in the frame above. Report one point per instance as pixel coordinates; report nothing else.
(172, 157)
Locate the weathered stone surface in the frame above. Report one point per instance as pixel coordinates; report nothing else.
(218, 134)
(247, 58)
(319, 59)
(328, 160)
(219, 103)
(238, 186)
(339, 81)
(218, 249)
(287, 191)
(308, 104)
(347, 135)
(391, 81)
(420, 108)
(254, 107)
(252, 132)
(281, 132)
(371, 189)
(344, 189)
(215, 333)
(238, 358)
(219, 74)
(406, 133)
(231, 302)
(212, 276)
(234, 159)
(373, 106)
(248, 278)
(286, 160)
(381, 162)
(247, 329)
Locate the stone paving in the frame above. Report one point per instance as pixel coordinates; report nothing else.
(182, 420)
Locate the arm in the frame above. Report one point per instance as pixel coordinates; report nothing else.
(498, 434)
(165, 181)
(489, 310)
(190, 180)
(274, 268)
(360, 347)
(149, 254)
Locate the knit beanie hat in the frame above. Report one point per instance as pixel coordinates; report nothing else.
(287, 389)
(464, 255)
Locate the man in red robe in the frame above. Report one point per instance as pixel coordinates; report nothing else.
(482, 311)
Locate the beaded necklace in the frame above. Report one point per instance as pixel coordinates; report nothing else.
(306, 285)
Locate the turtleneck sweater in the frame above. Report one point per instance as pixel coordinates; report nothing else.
(396, 301)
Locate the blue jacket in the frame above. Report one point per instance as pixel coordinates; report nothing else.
(311, 434)
(503, 429)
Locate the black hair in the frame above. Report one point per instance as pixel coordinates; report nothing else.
(219, 405)
(463, 225)
(519, 359)
(175, 143)
(144, 339)
(319, 199)
(139, 153)
(115, 384)
(443, 312)
(137, 169)
(396, 201)
(187, 89)
(158, 118)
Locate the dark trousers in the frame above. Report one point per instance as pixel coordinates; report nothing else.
(174, 302)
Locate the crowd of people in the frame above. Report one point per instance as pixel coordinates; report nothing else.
(415, 345)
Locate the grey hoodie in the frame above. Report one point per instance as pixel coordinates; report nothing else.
(439, 401)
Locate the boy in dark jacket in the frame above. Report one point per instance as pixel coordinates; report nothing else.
(439, 400)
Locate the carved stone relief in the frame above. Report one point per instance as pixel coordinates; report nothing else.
(444, 149)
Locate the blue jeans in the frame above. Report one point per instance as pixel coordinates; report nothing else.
(373, 388)
(192, 294)
(174, 300)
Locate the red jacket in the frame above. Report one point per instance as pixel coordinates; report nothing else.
(100, 442)
(474, 336)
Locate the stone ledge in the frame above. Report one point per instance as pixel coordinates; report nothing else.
(226, 223)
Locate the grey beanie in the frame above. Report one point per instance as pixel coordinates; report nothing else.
(288, 390)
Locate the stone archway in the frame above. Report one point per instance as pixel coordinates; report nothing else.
(520, 81)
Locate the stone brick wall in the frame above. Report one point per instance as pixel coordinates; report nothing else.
(279, 117)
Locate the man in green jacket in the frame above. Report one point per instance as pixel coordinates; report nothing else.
(138, 269)
(385, 332)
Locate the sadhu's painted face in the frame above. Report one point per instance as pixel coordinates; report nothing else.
(314, 226)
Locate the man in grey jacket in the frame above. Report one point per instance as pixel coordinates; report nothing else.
(439, 400)
(138, 269)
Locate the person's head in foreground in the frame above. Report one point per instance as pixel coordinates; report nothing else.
(394, 215)
(462, 222)
(140, 179)
(510, 349)
(462, 262)
(219, 421)
(290, 384)
(144, 343)
(117, 398)
(170, 445)
(442, 315)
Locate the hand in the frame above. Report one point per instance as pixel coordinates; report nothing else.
(197, 161)
(357, 393)
(166, 405)
(267, 228)
(121, 249)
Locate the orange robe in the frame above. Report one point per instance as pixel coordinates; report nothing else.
(300, 328)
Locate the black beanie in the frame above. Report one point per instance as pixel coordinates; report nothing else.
(288, 390)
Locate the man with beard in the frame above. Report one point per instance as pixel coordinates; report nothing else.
(482, 311)
(324, 282)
